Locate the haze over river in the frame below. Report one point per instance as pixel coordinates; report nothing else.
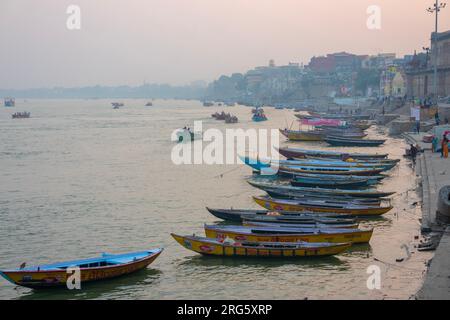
(79, 178)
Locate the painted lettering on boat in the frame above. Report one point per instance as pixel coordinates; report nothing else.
(206, 248)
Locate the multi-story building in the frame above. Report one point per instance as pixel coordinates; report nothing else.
(420, 74)
(336, 62)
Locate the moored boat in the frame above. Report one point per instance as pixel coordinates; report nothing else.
(323, 191)
(302, 153)
(316, 196)
(237, 215)
(299, 181)
(266, 234)
(104, 267)
(347, 142)
(312, 135)
(295, 205)
(292, 219)
(208, 246)
(365, 171)
(258, 164)
(251, 223)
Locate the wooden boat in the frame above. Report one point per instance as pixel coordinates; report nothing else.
(268, 187)
(117, 105)
(149, 104)
(337, 177)
(236, 215)
(21, 115)
(364, 171)
(363, 125)
(334, 184)
(328, 203)
(302, 153)
(344, 142)
(104, 267)
(250, 223)
(9, 102)
(258, 164)
(316, 196)
(294, 205)
(208, 246)
(348, 135)
(303, 135)
(259, 117)
(231, 119)
(380, 162)
(323, 122)
(265, 234)
(292, 219)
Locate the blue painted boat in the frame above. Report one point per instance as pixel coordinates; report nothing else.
(258, 164)
(259, 118)
(277, 188)
(104, 267)
(376, 178)
(302, 153)
(365, 171)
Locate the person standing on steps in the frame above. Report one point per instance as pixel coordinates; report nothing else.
(444, 151)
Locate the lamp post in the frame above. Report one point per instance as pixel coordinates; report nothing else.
(437, 7)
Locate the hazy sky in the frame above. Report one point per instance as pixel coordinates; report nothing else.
(179, 41)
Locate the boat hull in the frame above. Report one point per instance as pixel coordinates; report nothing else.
(58, 278)
(237, 215)
(302, 153)
(215, 248)
(332, 170)
(341, 236)
(300, 182)
(368, 194)
(303, 135)
(271, 204)
(342, 142)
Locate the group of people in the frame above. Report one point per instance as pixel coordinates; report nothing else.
(444, 145)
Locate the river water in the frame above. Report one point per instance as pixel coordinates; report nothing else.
(79, 178)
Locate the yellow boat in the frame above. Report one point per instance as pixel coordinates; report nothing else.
(296, 206)
(267, 234)
(303, 135)
(208, 246)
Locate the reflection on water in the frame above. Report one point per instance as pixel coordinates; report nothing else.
(120, 288)
(79, 178)
(206, 262)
